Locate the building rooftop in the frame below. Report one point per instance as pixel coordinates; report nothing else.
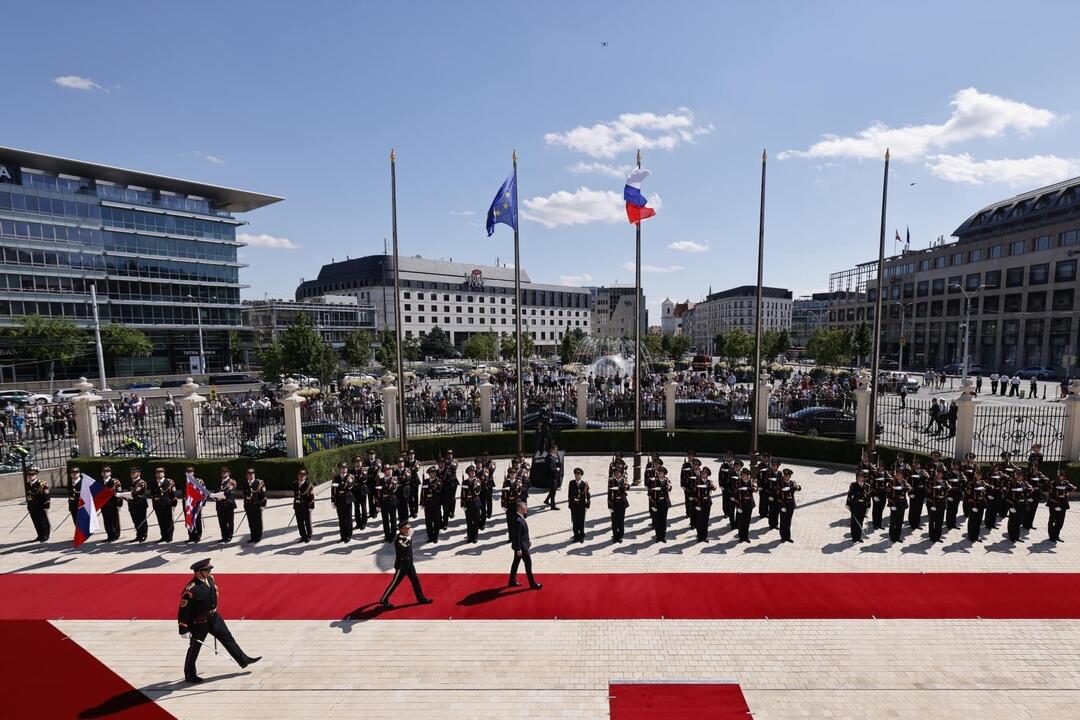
(1035, 207)
(225, 198)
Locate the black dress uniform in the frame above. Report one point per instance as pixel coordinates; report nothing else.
(226, 508)
(858, 498)
(387, 490)
(1057, 504)
(372, 477)
(897, 499)
(431, 499)
(402, 476)
(618, 501)
(784, 495)
(579, 501)
(37, 503)
(163, 493)
(955, 481)
(685, 482)
(702, 494)
(138, 504)
(450, 491)
(759, 467)
(198, 615)
(412, 475)
(404, 568)
(486, 473)
(303, 503)
(513, 491)
(361, 497)
(341, 497)
(995, 492)
(472, 503)
(1019, 498)
(110, 511)
(975, 501)
(723, 478)
(74, 489)
(879, 487)
(1040, 484)
(254, 492)
(772, 480)
(937, 495)
(919, 482)
(659, 489)
(744, 503)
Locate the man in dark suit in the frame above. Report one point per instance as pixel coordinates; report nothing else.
(404, 567)
(519, 540)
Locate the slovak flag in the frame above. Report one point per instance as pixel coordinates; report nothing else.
(635, 201)
(92, 495)
(194, 499)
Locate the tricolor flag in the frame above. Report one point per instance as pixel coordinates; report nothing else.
(92, 495)
(194, 498)
(635, 201)
(898, 236)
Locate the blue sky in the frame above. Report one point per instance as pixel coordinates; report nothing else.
(305, 100)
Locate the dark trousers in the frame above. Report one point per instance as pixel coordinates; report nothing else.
(1057, 521)
(472, 522)
(163, 513)
(550, 499)
(858, 517)
(226, 514)
(255, 522)
(577, 519)
(937, 519)
(727, 506)
(618, 515)
(764, 503)
(785, 522)
(389, 517)
(774, 514)
(878, 510)
(372, 509)
(1015, 522)
(527, 561)
(914, 513)
(359, 510)
(743, 521)
(303, 521)
(974, 520)
(510, 524)
(217, 628)
(659, 521)
(686, 503)
(40, 517)
(414, 499)
(402, 512)
(991, 513)
(110, 518)
(432, 521)
(701, 521)
(138, 519)
(1029, 516)
(896, 524)
(344, 519)
(399, 575)
(448, 510)
(952, 507)
(487, 502)
(73, 509)
(195, 534)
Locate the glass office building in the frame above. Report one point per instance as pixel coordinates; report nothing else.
(161, 253)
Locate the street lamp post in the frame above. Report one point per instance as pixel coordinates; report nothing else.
(198, 315)
(903, 315)
(967, 325)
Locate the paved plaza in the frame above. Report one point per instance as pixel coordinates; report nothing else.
(453, 668)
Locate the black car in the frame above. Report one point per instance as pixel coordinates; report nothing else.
(559, 421)
(824, 421)
(707, 414)
(235, 379)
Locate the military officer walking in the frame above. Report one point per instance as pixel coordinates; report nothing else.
(198, 617)
(404, 567)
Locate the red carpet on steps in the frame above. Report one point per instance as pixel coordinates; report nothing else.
(50, 676)
(678, 701)
(572, 597)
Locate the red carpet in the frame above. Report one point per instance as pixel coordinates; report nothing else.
(571, 597)
(680, 701)
(50, 676)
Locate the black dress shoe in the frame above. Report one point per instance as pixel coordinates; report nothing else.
(535, 586)
(425, 601)
(194, 679)
(513, 583)
(386, 604)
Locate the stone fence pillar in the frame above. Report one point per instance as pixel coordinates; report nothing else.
(191, 419)
(965, 419)
(582, 403)
(294, 423)
(485, 403)
(765, 389)
(86, 419)
(390, 410)
(863, 421)
(1070, 433)
(671, 389)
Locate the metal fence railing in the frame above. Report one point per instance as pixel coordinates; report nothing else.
(436, 413)
(1015, 428)
(240, 429)
(915, 425)
(42, 435)
(142, 431)
(616, 410)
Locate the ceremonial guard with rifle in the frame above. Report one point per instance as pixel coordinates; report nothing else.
(163, 496)
(784, 496)
(579, 500)
(254, 492)
(37, 504)
(387, 492)
(618, 501)
(431, 499)
(472, 503)
(138, 503)
(658, 488)
(225, 504)
(341, 498)
(110, 510)
(703, 490)
(858, 499)
(303, 504)
(744, 503)
(1058, 504)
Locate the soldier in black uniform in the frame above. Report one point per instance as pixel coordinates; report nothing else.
(879, 487)
(1039, 484)
(341, 497)
(387, 490)
(744, 503)
(723, 477)
(402, 476)
(225, 503)
(254, 491)
(659, 502)
(471, 503)
(412, 477)
(195, 533)
(897, 500)
(618, 501)
(692, 479)
(446, 482)
(431, 499)
(360, 498)
(858, 497)
(404, 567)
(74, 490)
(450, 488)
(773, 479)
(955, 479)
(579, 501)
(372, 476)
(303, 503)
(110, 511)
(198, 617)
(995, 492)
(1057, 504)
(163, 495)
(702, 492)
(731, 483)
(784, 495)
(137, 504)
(975, 501)
(685, 482)
(1019, 496)
(937, 495)
(485, 470)
(554, 472)
(919, 480)
(37, 503)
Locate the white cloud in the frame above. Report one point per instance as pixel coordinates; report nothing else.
(595, 168)
(463, 212)
(575, 280)
(213, 159)
(629, 266)
(1035, 170)
(629, 132)
(76, 82)
(267, 241)
(579, 207)
(974, 115)
(687, 246)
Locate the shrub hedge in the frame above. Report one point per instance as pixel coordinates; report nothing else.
(279, 473)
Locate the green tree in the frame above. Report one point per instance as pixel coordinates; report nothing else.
(508, 347)
(738, 344)
(410, 349)
(653, 345)
(301, 345)
(482, 346)
(830, 346)
(121, 341)
(357, 351)
(42, 338)
(675, 346)
(783, 343)
(862, 342)
(571, 345)
(271, 359)
(386, 352)
(436, 343)
(720, 344)
(323, 364)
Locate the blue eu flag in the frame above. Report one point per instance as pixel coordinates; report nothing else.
(504, 207)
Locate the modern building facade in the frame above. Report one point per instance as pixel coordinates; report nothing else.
(461, 298)
(613, 311)
(736, 308)
(810, 313)
(161, 252)
(334, 316)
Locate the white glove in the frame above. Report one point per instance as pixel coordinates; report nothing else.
(218, 495)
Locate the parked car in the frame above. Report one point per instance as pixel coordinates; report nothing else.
(707, 414)
(234, 379)
(23, 397)
(144, 386)
(701, 363)
(443, 371)
(67, 394)
(824, 421)
(559, 421)
(958, 369)
(1039, 372)
(173, 383)
(324, 434)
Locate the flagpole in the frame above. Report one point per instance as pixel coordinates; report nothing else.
(757, 311)
(637, 344)
(875, 366)
(404, 443)
(517, 317)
